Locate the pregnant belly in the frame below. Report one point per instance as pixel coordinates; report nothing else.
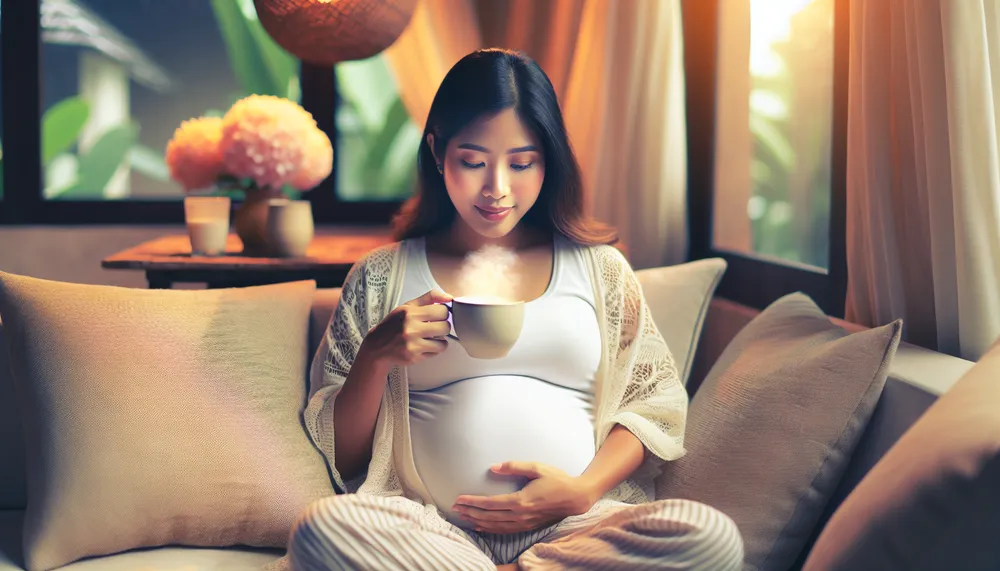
(461, 429)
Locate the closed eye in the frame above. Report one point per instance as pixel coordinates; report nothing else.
(522, 166)
(469, 165)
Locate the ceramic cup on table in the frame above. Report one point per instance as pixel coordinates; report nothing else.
(290, 227)
(207, 220)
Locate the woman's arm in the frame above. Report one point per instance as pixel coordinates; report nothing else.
(355, 413)
(408, 335)
(620, 455)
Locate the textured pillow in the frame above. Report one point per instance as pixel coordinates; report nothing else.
(678, 297)
(156, 417)
(773, 425)
(933, 501)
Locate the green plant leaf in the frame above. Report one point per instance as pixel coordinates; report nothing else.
(400, 169)
(149, 162)
(369, 87)
(61, 126)
(61, 174)
(281, 66)
(773, 140)
(381, 143)
(244, 56)
(99, 164)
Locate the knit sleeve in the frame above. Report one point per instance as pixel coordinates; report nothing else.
(654, 402)
(332, 363)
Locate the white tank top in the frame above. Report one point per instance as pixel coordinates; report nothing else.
(534, 405)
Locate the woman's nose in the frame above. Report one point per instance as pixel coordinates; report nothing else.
(498, 185)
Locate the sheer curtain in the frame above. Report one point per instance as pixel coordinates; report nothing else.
(618, 70)
(923, 194)
(440, 33)
(626, 116)
(734, 144)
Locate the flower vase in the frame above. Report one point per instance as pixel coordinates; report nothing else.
(290, 227)
(250, 221)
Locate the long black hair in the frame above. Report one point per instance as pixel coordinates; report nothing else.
(485, 82)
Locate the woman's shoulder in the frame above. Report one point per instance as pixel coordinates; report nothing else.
(377, 261)
(606, 256)
(609, 266)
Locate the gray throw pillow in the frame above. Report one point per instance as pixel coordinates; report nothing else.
(772, 427)
(933, 501)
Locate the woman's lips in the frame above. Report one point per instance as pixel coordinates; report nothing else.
(493, 214)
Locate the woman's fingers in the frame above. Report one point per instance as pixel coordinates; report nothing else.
(432, 346)
(481, 515)
(435, 312)
(432, 297)
(431, 329)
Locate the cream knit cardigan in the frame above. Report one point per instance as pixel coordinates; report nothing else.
(637, 384)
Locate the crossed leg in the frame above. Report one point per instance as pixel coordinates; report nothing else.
(664, 534)
(361, 532)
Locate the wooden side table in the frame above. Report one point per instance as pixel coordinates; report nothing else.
(168, 261)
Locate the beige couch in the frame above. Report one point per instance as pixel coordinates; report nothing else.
(916, 377)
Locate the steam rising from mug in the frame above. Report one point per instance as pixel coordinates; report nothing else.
(489, 275)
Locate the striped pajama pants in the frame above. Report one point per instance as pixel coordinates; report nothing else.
(363, 532)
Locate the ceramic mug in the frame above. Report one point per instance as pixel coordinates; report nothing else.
(207, 220)
(290, 227)
(486, 329)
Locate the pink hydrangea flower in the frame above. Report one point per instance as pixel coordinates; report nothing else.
(267, 139)
(317, 161)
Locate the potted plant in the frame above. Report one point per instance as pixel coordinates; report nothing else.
(263, 148)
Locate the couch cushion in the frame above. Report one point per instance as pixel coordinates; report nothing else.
(180, 559)
(933, 501)
(324, 303)
(12, 484)
(679, 297)
(161, 559)
(160, 417)
(772, 426)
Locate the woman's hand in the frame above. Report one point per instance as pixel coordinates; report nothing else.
(411, 332)
(550, 496)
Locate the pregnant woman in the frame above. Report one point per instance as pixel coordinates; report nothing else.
(542, 459)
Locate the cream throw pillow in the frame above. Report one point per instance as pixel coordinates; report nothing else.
(678, 297)
(774, 424)
(160, 417)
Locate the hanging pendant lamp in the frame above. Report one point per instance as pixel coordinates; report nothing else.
(325, 32)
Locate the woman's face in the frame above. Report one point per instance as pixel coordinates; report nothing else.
(493, 170)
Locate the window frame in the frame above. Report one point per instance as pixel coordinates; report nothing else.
(23, 203)
(751, 280)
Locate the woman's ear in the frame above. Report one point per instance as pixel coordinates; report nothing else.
(430, 143)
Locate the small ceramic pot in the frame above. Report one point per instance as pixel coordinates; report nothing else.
(290, 227)
(250, 221)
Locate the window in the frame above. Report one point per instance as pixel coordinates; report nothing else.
(773, 129)
(767, 130)
(378, 141)
(115, 79)
(1, 115)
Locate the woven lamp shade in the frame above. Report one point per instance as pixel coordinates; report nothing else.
(325, 32)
